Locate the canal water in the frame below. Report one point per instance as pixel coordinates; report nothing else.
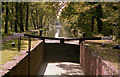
(58, 32)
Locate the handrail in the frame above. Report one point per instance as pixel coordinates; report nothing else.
(68, 39)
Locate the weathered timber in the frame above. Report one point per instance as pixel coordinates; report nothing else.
(68, 39)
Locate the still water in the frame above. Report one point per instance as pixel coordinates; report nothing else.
(58, 32)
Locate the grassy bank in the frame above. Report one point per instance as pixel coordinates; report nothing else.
(107, 53)
(8, 52)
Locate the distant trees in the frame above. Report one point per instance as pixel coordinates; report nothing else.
(24, 16)
(92, 18)
(89, 17)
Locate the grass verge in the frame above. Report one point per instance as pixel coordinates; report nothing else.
(107, 53)
(8, 52)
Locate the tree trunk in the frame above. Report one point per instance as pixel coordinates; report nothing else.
(45, 20)
(12, 20)
(21, 18)
(119, 19)
(33, 21)
(37, 19)
(27, 17)
(2, 6)
(32, 12)
(16, 17)
(99, 15)
(6, 19)
(41, 18)
(92, 25)
(37, 23)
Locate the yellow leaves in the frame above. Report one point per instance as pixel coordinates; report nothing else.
(86, 8)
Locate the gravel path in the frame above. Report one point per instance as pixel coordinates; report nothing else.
(10, 36)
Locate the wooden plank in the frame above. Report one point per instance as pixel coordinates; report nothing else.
(68, 39)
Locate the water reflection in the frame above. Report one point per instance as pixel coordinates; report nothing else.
(57, 31)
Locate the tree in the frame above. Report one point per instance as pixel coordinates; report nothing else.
(98, 17)
(21, 17)
(92, 25)
(6, 19)
(12, 14)
(92, 17)
(16, 17)
(27, 16)
(119, 18)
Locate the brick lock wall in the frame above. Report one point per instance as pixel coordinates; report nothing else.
(36, 58)
(92, 64)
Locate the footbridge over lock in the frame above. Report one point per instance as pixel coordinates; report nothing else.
(53, 56)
